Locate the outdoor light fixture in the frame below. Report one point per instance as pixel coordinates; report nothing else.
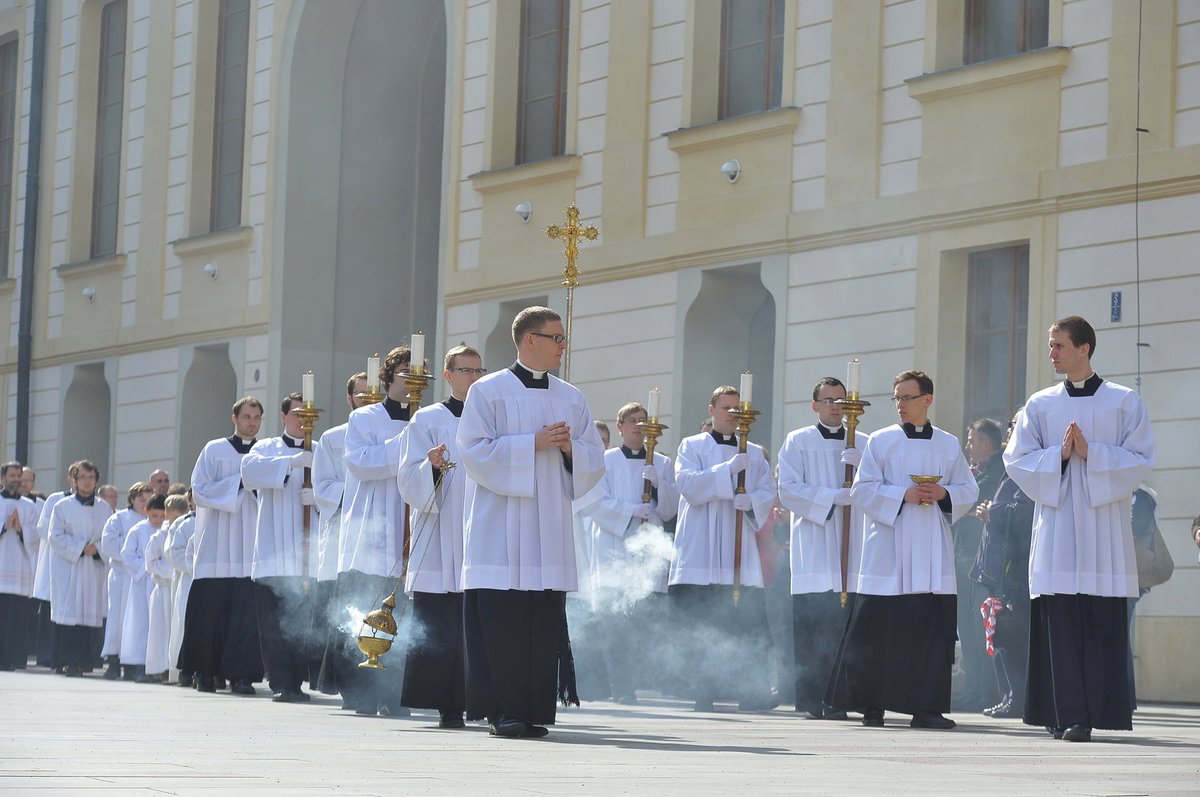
(210, 268)
(89, 293)
(524, 210)
(732, 169)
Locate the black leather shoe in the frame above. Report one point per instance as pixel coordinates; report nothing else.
(242, 686)
(873, 718)
(451, 719)
(132, 672)
(1077, 733)
(535, 731)
(73, 672)
(932, 721)
(185, 680)
(113, 673)
(220, 684)
(1008, 712)
(507, 726)
(834, 714)
(282, 697)
(204, 683)
(300, 696)
(1057, 733)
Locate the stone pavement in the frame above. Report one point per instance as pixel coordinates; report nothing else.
(61, 736)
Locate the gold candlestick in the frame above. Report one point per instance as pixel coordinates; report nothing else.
(415, 384)
(372, 395)
(308, 414)
(852, 409)
(571, 233)
(746, 416)
(651, 431)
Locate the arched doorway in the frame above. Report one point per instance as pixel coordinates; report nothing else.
(209, 390)
(87, 419)
(361, 174)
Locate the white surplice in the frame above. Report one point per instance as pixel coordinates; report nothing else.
(17, 550)
(112, 540)
(41, 571)
(279, 538)
(811, 474)
(135, 627)
(161, 573)
(907, 548)
(181, 553)
(705, 531)
(615, 526)
(371, 539)
(1082, 534)
(225, 513)
(329, 489)
(436, 518)
(518, 527)
(77, 580)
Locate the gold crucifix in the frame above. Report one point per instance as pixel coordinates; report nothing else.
(571, 233)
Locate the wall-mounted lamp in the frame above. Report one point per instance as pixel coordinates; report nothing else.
(89, 293)
(524, 210)
(210, 268)
(732, 169)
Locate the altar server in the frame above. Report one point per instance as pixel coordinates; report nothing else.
(181, 552)
(116, 531)
(41, 572)
(18, 535)
(135, 630)
(161, 573)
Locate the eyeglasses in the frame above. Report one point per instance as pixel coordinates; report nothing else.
(906, 399)
(559, 339)
(471, 371)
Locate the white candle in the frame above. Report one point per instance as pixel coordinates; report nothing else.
(652, 404)
(418, 353)
(746, 387)
(307, 390)
(373, 372)
(852, 376)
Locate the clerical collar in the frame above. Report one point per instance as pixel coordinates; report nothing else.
(631, 454)
(291, 442)
(838, 433)
(239, 445)
(88, 501)
(918, 432)
(722, 439)
(535, 380)
(395, 410)
(454, 405)
(1087, 387)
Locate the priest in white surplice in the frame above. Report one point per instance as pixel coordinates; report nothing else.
(529, 447)
(18, 535)
(371, 541)
(898, 648)
(78, 577)
(812, 469)
(435, 670)
(725, 644)
(1079, 451)
(116, 530)
(220, 635)
(283, 549)
(631, 556)
(329, 490)
(42, 590)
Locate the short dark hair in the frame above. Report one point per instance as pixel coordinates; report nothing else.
(7, 466)
(246, 401)
(924, 383)
(1078, 330)
(397, 359)
(461, 350)
(991, 429)
(350, 382)
(156, 502)
(88, 465)
(285, 406)
(723, 390)
(136, 489)
(73, 468)
(629, 409)
(827, 381)
(531, 319)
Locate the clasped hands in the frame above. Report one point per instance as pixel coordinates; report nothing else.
(924, 494)
(556, 435)
(1074, 442)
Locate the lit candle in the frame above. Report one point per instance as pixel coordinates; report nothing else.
(746, 387)
(373, 372)
(306, 387)
(418, 353)
(652, 404)
(852, 376)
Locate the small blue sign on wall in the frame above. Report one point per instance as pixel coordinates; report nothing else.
(1116, 306)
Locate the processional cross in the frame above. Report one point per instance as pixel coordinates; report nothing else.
(571, 233)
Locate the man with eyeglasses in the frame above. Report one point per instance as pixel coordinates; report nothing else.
(435, 670)
(528, 448)
(1080, 450)
(898, 648)
(812, 464)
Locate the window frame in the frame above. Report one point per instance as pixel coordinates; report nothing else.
(1033, 26)
(218, 215)
(9, 74)
(774, 45)
(109, 99)
(563, 32)
(1017, 330)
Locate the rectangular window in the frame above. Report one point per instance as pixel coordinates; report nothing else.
(751, 56)
(542, 90)
(229, 117)
(995, 28)
(8, 110)
(110, 111)
(997, 319)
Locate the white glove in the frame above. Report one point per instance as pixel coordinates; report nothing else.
(643, 511)
(851, 456)
(742, 503)
(739, 463)
(301, 459)
(650, 474)
(306, 496)
(843, 494)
